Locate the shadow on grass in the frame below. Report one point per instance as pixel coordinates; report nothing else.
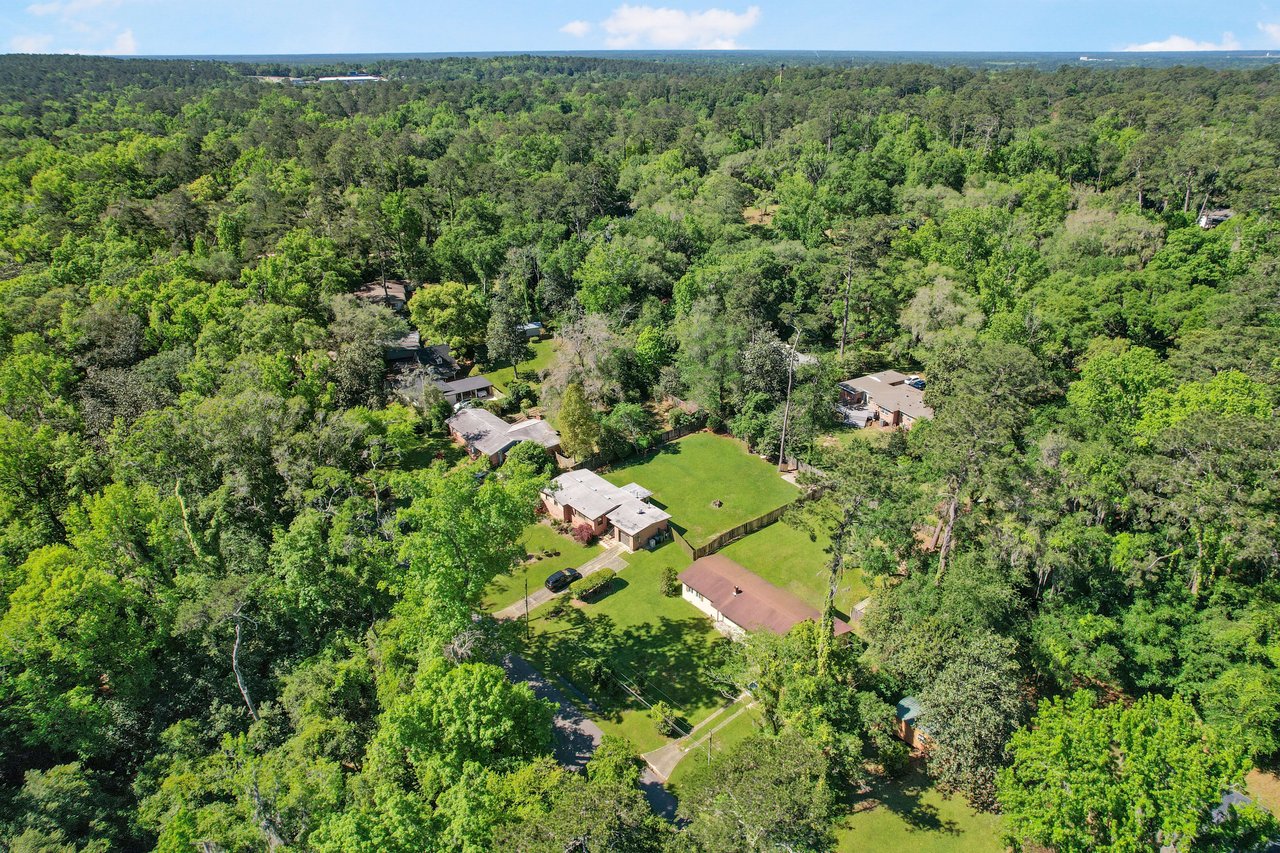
(631, 668)
(904, 796)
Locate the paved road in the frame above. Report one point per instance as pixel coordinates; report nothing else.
(610, 559)
(577, 736)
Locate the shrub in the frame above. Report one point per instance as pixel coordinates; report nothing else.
(592, 584)
(584, 534)
(670, 582)
(664, 717)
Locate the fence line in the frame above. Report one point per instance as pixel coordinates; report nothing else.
(747, 527)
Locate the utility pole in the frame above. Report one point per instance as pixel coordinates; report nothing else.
(526, 606)
(786, 410)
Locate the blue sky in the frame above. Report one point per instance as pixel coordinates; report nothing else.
(339, 26)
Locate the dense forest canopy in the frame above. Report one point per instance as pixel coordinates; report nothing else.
(239, 594)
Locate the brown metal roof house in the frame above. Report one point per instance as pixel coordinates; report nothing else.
(738, 600)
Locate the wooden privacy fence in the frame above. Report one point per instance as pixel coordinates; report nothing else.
(747, 527)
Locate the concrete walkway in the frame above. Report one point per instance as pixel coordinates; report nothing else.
(610, 559)
(663, 760)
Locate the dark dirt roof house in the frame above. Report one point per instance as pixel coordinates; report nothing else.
(471, 388)
(622, 513)
(892, 398)
(739, 600)
(485, 434)
(392, 293)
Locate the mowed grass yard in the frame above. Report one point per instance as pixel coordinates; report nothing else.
(685, 476)
(543, 352)
(786, 557)
(537, 540)
(657, 645)
(911, 815)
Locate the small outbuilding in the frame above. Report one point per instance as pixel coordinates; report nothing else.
(909, 731)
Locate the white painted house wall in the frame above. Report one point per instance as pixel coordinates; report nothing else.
(700, 601)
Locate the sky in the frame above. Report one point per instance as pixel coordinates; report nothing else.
(152, 27)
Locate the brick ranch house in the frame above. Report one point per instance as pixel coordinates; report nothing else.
(887, 397)
(622, 513)
(485, 434)
(738, 600)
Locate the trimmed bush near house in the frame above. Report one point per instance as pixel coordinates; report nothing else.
(583, 534)
(592, 584)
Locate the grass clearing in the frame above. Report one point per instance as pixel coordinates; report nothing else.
(910, 814)
(543, 352)
(685, 476)
(635, 635)
(786, 557)
(734, 732)
(538, 538)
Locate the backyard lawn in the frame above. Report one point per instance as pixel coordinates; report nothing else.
(912, 815)
(786, 557)
(538, 539)
(633, 636)
(685, 476)
(543, 352)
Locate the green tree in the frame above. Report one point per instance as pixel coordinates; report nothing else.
(505, 340)
(450, 313)
(971, 710)
(1116, 778)
(579, 428)
(765, 793)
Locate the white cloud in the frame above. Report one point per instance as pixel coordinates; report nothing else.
(87, 24)
(30, 44)
(650, 26)
(69, 9)
(1176, 43)
(124, 45)
(1271, 31)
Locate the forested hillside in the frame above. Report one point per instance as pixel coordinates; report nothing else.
(240, 585)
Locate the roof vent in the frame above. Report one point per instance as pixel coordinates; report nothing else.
(737, 590)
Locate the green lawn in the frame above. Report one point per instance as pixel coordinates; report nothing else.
(739, 729)
(656, 644)
(543, 352)
(912, 816)
(685, 476)
(538, 538)
(786, 557)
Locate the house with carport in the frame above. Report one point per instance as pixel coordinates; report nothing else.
(622, 513)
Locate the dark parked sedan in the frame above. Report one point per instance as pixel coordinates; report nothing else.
(561, 579)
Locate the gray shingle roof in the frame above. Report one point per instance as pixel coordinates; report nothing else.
(594, 497)
(489, 434)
